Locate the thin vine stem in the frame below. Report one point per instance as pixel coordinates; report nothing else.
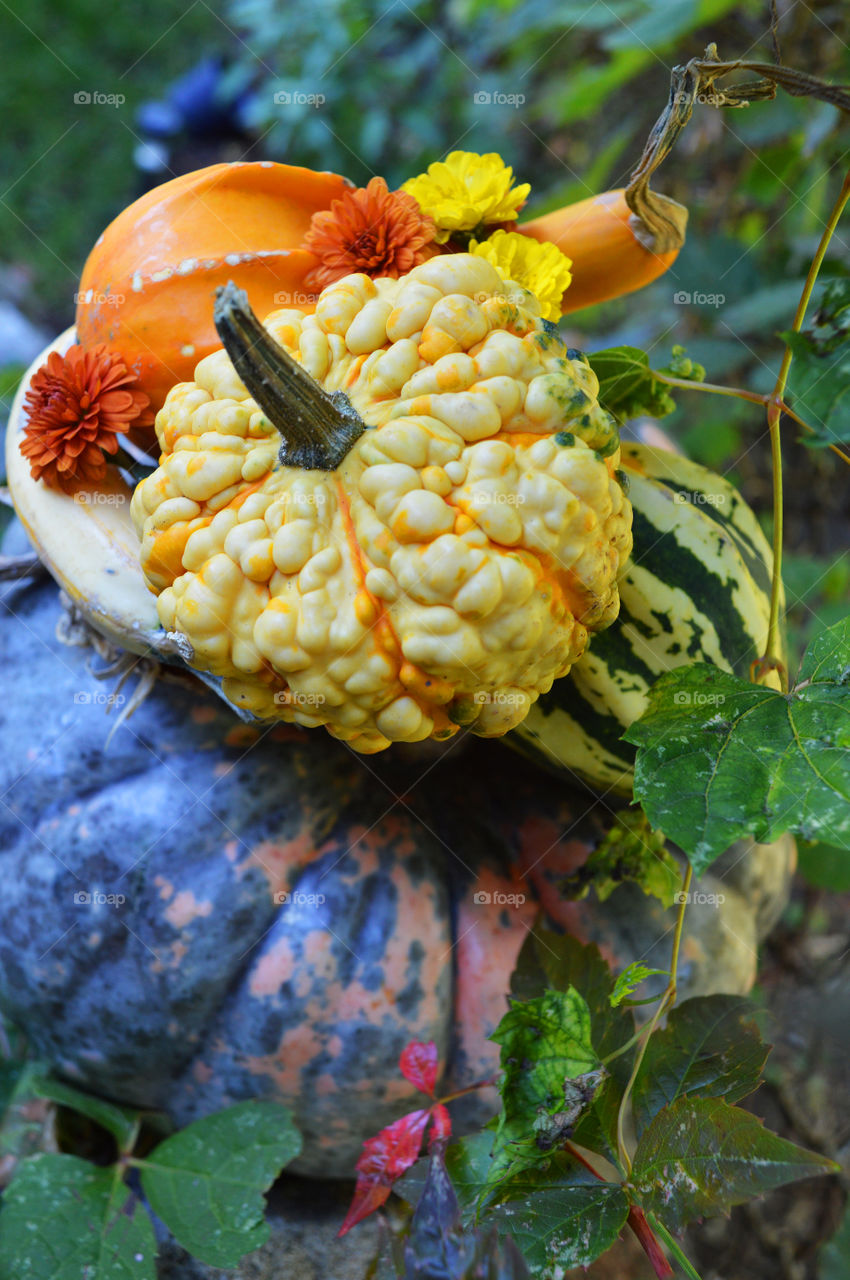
(668, 998)
(470, 1088)
(674, 1247)
(630, 1043)
(774, 413)
(716, 388)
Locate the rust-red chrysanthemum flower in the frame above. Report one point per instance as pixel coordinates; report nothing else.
(77, 404)
(369, 229)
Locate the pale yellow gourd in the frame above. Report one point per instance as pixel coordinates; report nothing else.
(428, 550)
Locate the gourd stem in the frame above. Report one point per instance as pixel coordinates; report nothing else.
(317, 429)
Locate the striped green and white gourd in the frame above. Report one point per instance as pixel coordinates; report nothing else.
(696, 589)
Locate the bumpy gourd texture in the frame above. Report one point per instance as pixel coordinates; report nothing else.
(453, 564)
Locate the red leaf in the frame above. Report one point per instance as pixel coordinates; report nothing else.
(368, 1196)
(418, 1063)
(442, 1124)
(384, 1159)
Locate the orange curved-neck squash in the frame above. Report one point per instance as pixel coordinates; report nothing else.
(148, 287)
(600, 235)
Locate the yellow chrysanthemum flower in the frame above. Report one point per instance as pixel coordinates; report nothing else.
(536, 266)
(465, 190)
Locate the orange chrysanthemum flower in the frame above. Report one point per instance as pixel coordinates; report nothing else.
(77, 404)
(370, 229)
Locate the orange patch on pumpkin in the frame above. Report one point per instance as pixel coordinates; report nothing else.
(166, 888)
(278, 860)
(186, 908)
(489, 938)
(274, 968)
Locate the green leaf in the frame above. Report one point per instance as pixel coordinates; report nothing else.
(207, 1182)
(819, 377)
(583, 93)
(630, 852)
(823, 866)
(121, 1122)
(700, 1157)
(63, 1219)
(559, 961)
(627, 385)
(819, 389)
(630, 979)
(710, 1048)
(469, 1162)
(719, 758)
(545, 1043)
(559, 1214)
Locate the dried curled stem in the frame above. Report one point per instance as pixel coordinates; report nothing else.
(660, 222)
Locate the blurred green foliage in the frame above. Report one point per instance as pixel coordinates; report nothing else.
(403, 83)
(66, 166)
(824, 867)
